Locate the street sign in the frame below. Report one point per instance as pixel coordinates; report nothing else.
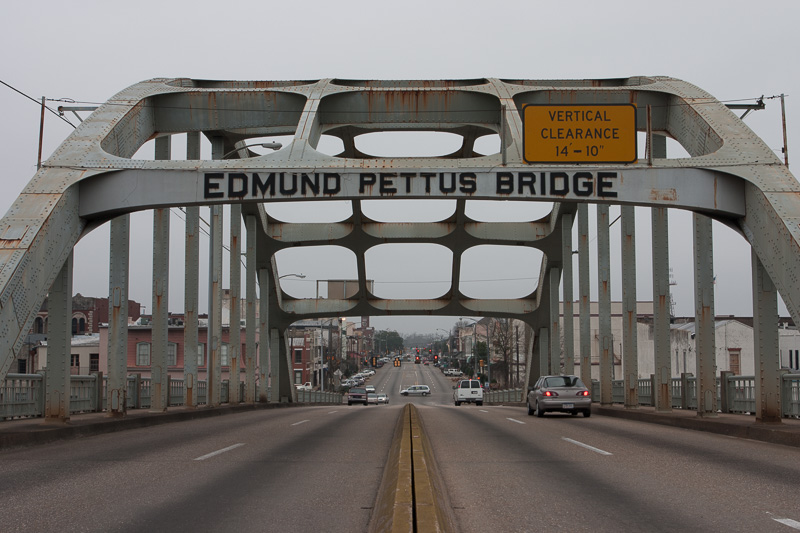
(576, 133)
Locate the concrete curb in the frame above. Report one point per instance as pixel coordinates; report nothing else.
(742, 427)
(410, 497)
(36, 431)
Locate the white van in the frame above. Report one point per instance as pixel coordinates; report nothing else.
(468, 390)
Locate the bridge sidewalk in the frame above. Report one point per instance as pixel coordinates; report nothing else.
(33, 431)
(786, 432)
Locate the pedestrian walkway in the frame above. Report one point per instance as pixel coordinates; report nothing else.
(787, 432)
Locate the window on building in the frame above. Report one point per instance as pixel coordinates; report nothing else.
(74, 326)
(735, 356)
(94, 362)
(81, 326)
(298, 355)
(223, 354)
(298, 376)
(75, 363)
(201, 355)
(38, 325)
(172, 354)
(143, 354)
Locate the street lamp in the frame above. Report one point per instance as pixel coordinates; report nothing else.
(272, 145)
(449, 353)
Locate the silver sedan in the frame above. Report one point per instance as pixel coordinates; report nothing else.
(565, 394)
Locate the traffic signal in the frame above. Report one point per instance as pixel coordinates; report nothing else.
(397, 362)
(374, 361)
(430, 350)
(416, 360)
(436, 358)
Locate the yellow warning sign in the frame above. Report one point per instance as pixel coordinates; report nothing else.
(579, 133)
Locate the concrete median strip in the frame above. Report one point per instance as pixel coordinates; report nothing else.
(411, 496)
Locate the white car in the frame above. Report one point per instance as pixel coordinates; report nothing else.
(468, 391)
(416, 390)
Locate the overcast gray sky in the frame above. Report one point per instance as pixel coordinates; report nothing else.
(87, 51)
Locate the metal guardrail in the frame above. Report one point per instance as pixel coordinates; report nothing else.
(503, 396)
(739, 393)
(22, 395)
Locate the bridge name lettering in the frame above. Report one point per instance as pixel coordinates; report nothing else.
(262, 185)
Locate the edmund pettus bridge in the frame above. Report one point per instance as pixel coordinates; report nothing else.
(569, 142)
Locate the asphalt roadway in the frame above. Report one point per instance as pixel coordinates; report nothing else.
(304, 468)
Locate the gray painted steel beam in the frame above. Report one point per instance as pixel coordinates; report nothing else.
(569, 321)
(606, 345)
(554, 275)
(630, 352)
(661, 311)
(731, 175)
(59, 343)
(661, 295)
(235, 330)
(214, 335)
(767, 354)
(191, 335)
(705, 330)
(159, 370)
(119, 270)
(264, 344)
(250, 356)
(584, 288)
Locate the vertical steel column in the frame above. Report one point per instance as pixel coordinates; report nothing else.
(705, 335)
(544, 351)
(630, 354)
(277, 351)
(661, 312)
(584, 288)
(554, 275)
(159, 375)
(264, 345)
(119, 269)
(214, 335)
(59, 346)
(191, 337)
(235, 331)
(765, 329)
(661, 297)
(604, 305)
(569, 320)
(250, 313)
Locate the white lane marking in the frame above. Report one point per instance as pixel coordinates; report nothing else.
(301, 422)
(483, 410)
(331, 412)
(223, 450)
(596, 450)
(515, 420)
(788, 522)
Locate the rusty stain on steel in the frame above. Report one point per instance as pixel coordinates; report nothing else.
(663, 195)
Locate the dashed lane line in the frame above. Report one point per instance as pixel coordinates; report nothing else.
(592, 448)
(223, 450)
(301, 422)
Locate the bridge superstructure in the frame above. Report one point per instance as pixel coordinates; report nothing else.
(91, 179)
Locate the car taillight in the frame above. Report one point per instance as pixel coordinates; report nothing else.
(583, 393)
(550, 393)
